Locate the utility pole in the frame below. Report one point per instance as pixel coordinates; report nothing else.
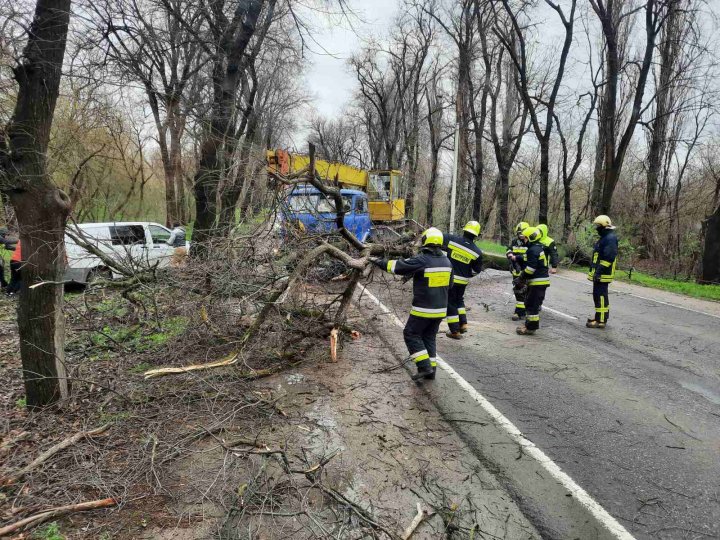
(453, 184)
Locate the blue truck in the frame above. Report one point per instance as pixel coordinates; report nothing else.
(311, 211)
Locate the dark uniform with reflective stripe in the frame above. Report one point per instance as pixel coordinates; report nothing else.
(432, 274)
(466, 259)
(550, 248)
(517, 248)
(536, 275)
(602, 272)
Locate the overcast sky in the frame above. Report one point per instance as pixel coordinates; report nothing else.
(329, 79)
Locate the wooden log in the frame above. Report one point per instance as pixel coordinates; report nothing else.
(41, 517)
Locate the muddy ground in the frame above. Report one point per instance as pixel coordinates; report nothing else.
(283, 444)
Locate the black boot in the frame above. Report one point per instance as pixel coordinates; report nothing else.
(424, 372)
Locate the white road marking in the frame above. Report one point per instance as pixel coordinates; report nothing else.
(545, 308)
(609, 522)
(651, 300)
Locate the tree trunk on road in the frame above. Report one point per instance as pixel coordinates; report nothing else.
(41, 208)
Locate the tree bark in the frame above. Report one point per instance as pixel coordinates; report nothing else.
(226, 80)
(711, 251)
(42, 209)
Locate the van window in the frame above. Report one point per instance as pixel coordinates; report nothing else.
(362, 205)
(160, 235)
(127, 235)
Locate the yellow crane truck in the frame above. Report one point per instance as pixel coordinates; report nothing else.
(385, 189)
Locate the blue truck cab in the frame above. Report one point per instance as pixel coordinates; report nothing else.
(309, 209)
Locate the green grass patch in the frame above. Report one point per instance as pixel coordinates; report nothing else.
(49, 532)
(689, 288)
(137, 338)
(21, 403)
(490, 246)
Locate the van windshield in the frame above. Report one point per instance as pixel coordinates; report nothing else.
(316, 203)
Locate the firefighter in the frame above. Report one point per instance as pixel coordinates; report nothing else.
(466, 259)
(535, 275)
(550, 248)
(602, 270)
(431, 271)
(514, 253)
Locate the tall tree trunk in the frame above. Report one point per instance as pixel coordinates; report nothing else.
(502, 217)
(567, 210)
(226, 81)
(432, 185)
(711, 251)
(42, 209)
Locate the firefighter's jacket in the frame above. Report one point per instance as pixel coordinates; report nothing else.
(604, 257)
(517, 248)
(465, 257)
(432, 272)
(550, 248)
(535, 271)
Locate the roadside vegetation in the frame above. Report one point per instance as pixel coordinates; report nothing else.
(637, 277)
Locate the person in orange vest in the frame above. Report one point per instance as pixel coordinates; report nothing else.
(16, 263)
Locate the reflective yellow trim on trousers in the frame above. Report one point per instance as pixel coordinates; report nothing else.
(532, 318)
(462, 311)
(428, 313)
(520, 305)
(391, 266)
(420, 356)
(539, 281)
(453, 319)
(606, 264)
(603, 309)
(433, 362)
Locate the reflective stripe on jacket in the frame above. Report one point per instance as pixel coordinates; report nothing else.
(465, 257)
(551, 251)
(432, 275)
(604, 259)
(536, 265)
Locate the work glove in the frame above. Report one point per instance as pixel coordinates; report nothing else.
(377, 261)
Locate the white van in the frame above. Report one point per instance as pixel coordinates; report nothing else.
(135, 244)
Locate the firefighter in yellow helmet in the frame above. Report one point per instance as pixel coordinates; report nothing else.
(550, 248)
(466, 259)
(602, 270)
(431, 271)
(515, 252)
(535, 275)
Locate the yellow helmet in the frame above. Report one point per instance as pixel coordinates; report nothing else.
(473, 227)
(520, 227)
(533, 234)
(432, 237)
(603, 221)
(543, 229)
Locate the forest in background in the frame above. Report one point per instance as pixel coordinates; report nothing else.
(562, 110)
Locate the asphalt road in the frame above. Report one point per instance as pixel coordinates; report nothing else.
(631, 413)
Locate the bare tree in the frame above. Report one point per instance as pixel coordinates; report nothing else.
(230, 53)
(154, 43)
(42, 209)
(507, 128)
(535, 97)
(613, 143)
